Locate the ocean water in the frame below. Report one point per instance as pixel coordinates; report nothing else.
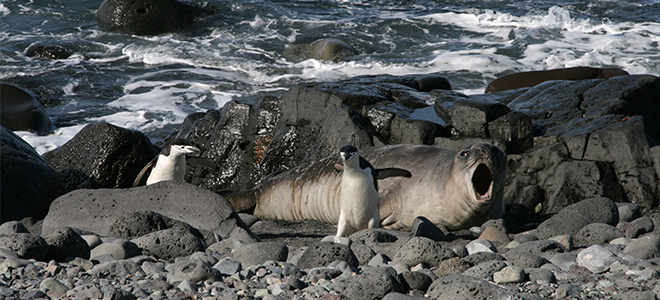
(151, 83)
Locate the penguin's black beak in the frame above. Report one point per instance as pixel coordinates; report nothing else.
(347, 155)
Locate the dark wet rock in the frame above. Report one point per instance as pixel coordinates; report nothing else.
(96, 210)
(170, 243)
(328, 49)
(572, 181)
(21, 111)
(516, 129)
(101, 155)
(466, 287)
(470, 117)
(596, 233)
(29, 185)
(572, 218)
(26, 245)
(65, 242)
(48, 51)
(322, 254)
(257, 253)
(380, 282)
(149, 17)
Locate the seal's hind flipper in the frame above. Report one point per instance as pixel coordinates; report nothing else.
(204, 162)
(392, 172)
(143, 171)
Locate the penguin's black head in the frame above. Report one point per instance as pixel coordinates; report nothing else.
(348, 152)
(180, 147)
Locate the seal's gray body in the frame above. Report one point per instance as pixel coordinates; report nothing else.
(443, 187)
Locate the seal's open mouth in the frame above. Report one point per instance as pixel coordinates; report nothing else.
(482, 179)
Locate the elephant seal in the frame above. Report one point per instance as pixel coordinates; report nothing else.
(456, 189)
(532, 78)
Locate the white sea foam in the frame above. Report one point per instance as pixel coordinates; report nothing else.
(47, 143)
(4, 10)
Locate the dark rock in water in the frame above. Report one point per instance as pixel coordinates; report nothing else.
(329, 49)
(29, 185)
(48, 51)
(20, 110)
(572, 218)
(26, 245)
(101, 155)
(169, 244)
(64, 242)
(149, 17)
(323, 253)
(96, 210)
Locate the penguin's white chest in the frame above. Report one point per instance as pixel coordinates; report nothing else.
(359, 198)
(168, 168)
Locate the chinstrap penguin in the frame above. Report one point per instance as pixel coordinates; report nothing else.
(170, 163)
(359, 191)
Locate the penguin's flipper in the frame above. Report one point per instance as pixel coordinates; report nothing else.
(143, 171)
(201, 161)
(339, 167)
(392, 172)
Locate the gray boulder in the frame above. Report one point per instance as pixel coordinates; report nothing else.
(26, 245)
(385, 242)
(422, 250)
(169, 244)
(119, 249)
(258, 253)
(329, 49)
(101, 155)
(96, 210)
(193, 270)
(149, 17)
(21, 111)
(65, 242)
(323, 253)
(373, 283)
(138, 223)
(117, 268)
(572, 218)
(28, 184)
(458, 286)
(595, 234)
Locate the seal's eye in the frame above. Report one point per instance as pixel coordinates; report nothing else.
(463, 153)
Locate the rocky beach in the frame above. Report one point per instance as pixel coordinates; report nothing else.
(581, 192)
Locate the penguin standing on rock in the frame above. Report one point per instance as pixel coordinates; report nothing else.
(359, 191)
(170, 163)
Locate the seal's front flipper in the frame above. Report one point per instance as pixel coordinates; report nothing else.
(339, 167)
(143, 171)
(392, 172)
(204, 162)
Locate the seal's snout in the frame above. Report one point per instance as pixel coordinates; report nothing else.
(482, 180)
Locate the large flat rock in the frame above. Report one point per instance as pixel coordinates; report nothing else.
(96, 210)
